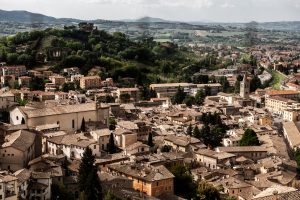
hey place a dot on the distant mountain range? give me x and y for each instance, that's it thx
(30, 18)
(25, 17)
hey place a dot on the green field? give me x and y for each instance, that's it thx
(223, 33)
(277, 79)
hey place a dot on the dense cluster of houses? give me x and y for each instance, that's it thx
(42, 140)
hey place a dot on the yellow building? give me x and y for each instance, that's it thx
(57, 80)
(90, 82)
(265, 120)
(151, 180)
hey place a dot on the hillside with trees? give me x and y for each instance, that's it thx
(117, 56)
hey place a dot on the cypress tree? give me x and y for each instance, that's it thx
(82, 128)
(189, 130)
(111, 145)
(150, 140)
(88, 180)
(196, 132)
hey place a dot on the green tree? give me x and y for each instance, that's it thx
(22, 102)
(225, 84)
(88, 180)
(237, 87)
(83, 128)
(207, 191)
(112, 124)
(200, 97)
(125, 98)
(184, 178)
(196, 132)
(166, 148)
(111, 145)
(179, 96)
(255, 83)
(110, 196)
(59, 191)
(12, 58)
(189, 100)
(297, 158)
(66, 87)
(150, 140)
(189, 130)
(93, 187)
(249, 138)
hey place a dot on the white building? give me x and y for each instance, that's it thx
(72, 145)
(69, 117)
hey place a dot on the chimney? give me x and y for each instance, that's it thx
(275, 195)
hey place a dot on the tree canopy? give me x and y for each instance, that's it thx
(88, 180)
(249, 138)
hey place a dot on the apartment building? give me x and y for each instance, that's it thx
(277, 104)
(16, 71)
(90, 82)
(57, 80)
(169, 89)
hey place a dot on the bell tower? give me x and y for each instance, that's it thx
(245, 87)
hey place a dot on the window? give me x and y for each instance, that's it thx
(57, 122)
(156, 183)
(94, 146)
(73, 123)
(17, 117)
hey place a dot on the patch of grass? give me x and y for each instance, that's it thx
(277, 79)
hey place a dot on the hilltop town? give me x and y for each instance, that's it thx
(86, 112)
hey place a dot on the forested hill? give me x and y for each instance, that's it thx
(144, 60)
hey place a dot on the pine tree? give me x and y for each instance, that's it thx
(82, 128)
(189, 130)
(150, 140)
(111, 145)
(88, 180)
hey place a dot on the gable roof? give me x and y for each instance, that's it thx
(20, 140)
(58, 110)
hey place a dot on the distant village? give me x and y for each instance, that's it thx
(136, 142)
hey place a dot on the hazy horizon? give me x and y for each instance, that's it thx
(225, 11)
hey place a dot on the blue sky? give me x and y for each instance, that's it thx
(183, 10)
